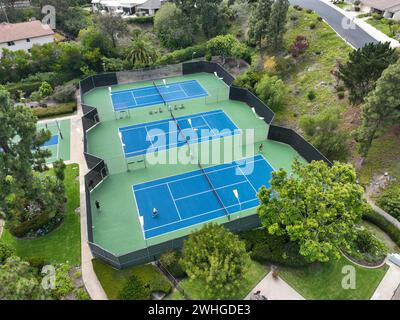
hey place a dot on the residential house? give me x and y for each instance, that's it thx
(128, 8)
(22, 36)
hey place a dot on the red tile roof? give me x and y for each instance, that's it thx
(23, 30)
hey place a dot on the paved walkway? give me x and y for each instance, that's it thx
(275, 289)
(389, 284)
(89, 277)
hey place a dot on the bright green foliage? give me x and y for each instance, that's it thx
(316, 206)
(271, 90)
(238, 51)
(92, 38)
(364, 68)
(141, 52)
(170, 260)
(276, 25)
(135, 289)
(322, 130)
(390, 201)
(172, 28)
(217, 257)
(259, 22)
(382, 107)
(45, 89)
(19, 281)
(63, 282)
(222, 46)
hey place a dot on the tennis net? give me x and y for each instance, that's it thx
(159, 92)
(213, 188)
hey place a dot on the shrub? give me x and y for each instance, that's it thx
(311, 95)
(267, 248)
(65, 93)
(36, 262)
(208, 56)
(313, 25)
(56, 110)
(389, 201)
(63, 283)
(170, 260)
(366, 248)
(140, 20)
(377, 16)
(341, 95)
(272, 91)
(6, 251)
(293, 17)
(299, 46)
(26, 87)
(81, 294)
(309, 11)
(134, 289)
(182, 55)
(390, 229)
(319, 19)
(248, 80)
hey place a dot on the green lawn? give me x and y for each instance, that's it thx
(323, 281)
(195, 289)
(113, 280)
(63, 244)
(383, 26)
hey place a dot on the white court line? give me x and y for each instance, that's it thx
(192, 116)
(233, 165)
(247, 179)
(183, 90)
(173, 200)
(133, 96)
(210, 190)
(198, 215)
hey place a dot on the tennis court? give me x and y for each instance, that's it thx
(152, 95)
(59, 142)
(165, 134)
(200, 196)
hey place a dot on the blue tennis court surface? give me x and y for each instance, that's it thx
(164, 134)
(51, 142)
(140, 97)
(188, 199)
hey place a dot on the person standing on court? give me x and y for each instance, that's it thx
(155, 212)
(97, 204)
(260, 148)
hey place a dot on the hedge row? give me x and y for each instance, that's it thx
(182, 55)
(391, 230)
(141, 20)
(51, 111)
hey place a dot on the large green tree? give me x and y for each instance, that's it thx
(112, 25)
(209, 14)
(272, 90)
(28, 196)
(222, 46)
(141, 53)
(276, 25)
(382, 107)
(259, 22)
(174, 30)
(322, 130)
(217, 257)
(364, 68)
(315, 205)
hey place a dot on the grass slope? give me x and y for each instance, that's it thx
(63, 244)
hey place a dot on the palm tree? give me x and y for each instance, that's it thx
(141, 52)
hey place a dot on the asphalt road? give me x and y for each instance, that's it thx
(356, 36)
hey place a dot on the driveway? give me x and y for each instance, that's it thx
(349, 31)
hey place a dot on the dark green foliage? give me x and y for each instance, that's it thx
(259, 22)
(248, 80)
(322, 130)
(365, 247)
(135, 289)
(141, 20)
(6, 251)
(311, 95)
(267, 248)
(389, 201)
(364, 68)
(182, 55)
(170, 260)
(390, 229)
